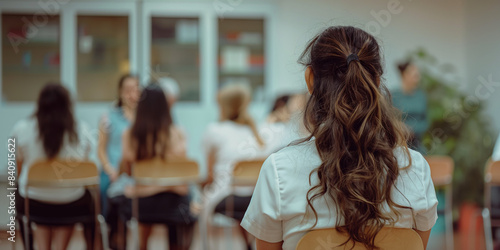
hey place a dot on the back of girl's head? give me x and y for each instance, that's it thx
(280, 102)
(152, 123)
(233, 101)
(356, 130)
(55, 118)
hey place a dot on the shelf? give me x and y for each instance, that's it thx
(34, 69)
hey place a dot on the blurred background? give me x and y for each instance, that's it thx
(204, 44)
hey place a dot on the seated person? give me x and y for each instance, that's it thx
(152, 135)
(234, 138)
(51, 133)
(355, 171)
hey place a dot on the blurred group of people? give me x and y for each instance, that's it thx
(139, 127)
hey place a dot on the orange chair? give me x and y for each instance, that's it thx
(389, 238)
(491, 179)
(60, 173)
(442, 175)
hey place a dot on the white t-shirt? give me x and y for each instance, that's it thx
(276, 212)
(232, 142)
(28, 142)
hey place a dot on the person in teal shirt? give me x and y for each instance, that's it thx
(412, 101)
(111, 128)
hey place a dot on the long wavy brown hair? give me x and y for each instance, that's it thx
(356, 130)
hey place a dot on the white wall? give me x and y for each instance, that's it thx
(483, 54)
(438, 26)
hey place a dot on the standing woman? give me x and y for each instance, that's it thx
(111, 127)
(51, 133)
(355, 171)
(152, 135)
(412, 101)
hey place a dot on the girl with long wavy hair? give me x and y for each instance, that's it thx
(355, 171)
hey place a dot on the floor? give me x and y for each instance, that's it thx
(156, 241)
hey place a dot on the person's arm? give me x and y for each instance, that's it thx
(19, 161)
(102, 152)
(425, 237)
(128, 154)
(210, 167)
(264, 245)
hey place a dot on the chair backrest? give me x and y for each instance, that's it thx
(63, 173)
(246, 173)
(441, 169)
(389, 238)
(165, 172)
(491, 178)
(492, 173)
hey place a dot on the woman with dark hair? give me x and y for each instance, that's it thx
(111, 127)
(412, 101)
(51, 133)
(354, 172)
(152, 135)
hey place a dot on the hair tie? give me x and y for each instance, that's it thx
(352, 57)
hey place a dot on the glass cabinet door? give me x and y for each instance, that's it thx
(175, 54)
(30, 54)
(102, 56)
(241, 53)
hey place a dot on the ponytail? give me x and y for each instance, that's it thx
(356, 131)
(245, 119)
(233, 100)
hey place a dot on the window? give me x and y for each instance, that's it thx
(102, 56)
(241, 53)
(30, 54)
(175, 53)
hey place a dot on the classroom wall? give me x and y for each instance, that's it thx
(438, 26)
(483, 55)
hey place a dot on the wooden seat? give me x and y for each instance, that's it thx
(165, 173)
(160, 172)
(59, 173)
(442, 168)
(389, 238)
(246, 173)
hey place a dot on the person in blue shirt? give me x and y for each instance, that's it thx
(412, 101)
(111, 127)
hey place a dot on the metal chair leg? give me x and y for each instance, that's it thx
(488, 235)
(449, 218)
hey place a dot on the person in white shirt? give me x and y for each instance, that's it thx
(355, 170)
(234, 138)
(51, 132)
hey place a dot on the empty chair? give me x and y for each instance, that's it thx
(442, 176)
(491, 218)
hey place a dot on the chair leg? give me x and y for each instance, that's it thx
(449, 219)
(104, 231)
(488, 235)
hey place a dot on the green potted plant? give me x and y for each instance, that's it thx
(458, 128)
